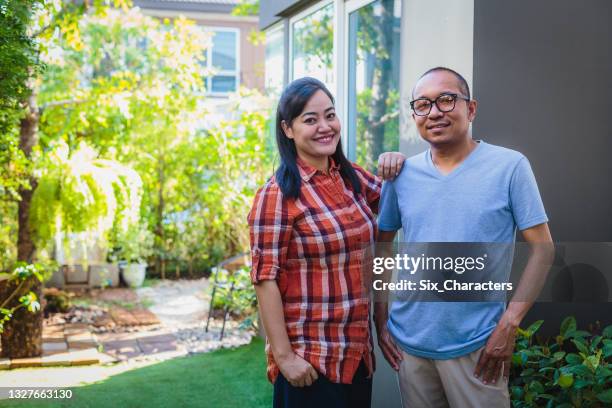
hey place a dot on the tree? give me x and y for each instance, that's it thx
(28, 24)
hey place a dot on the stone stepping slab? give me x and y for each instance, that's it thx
(133, 317)
(71, 344)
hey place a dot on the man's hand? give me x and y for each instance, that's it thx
(388, 347)
(297, 371)
(497, 354)
(390, 164)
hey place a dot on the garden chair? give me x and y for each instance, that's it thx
(231, 265)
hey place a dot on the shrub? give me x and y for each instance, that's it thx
(571, 370)
(241, 300)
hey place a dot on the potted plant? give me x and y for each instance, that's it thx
(132, 248)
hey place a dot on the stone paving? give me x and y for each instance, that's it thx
(63, 345)
(172, 326)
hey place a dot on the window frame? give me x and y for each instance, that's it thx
(275, 28)
(222, 72)
(301, 15)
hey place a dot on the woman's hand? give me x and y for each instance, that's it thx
(297, 371)
(390, 164)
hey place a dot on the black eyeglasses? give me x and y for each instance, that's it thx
(444, 103)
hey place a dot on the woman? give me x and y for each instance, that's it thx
(309, 225)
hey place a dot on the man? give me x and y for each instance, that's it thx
(459, 190)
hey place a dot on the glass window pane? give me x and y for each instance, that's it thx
(373, 99)
(223, 83)
(313, 44)
(275, 71)
(224, 50)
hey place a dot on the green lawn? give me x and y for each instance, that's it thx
(224, 378)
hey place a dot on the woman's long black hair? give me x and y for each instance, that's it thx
(291, 105)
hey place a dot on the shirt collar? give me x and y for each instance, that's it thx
(307, 171)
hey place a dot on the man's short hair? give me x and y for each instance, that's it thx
(463, 85)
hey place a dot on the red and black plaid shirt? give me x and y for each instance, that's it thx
(313, 247)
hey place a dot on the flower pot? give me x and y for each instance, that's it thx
(134, 274)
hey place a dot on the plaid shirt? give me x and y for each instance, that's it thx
(313, 247)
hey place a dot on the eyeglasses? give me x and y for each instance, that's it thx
(444, 103)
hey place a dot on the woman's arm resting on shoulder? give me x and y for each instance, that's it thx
(294, 368)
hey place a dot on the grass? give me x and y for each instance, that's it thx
(224, 378)
(87, 302)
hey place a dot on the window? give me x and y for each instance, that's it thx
(373, 81)
(223, 58)
(275, 66)
(312, 46)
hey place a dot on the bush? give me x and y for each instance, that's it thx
(241, 302)
(57, 301)
(571, 371)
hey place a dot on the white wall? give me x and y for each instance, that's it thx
(434, 33)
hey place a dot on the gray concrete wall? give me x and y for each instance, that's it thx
(542, 79)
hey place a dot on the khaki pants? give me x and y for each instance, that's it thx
(448, 383)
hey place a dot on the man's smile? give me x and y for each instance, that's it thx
(440, 125)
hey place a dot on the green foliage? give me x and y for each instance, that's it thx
(18, 63)
(314, 38)
(134, 245)
(246, 8)
(79, 192)
(221, 170)
(21, 276)
(574, 370)
(235, 292)
(131, 87)
(365, 155)
(57, 301)
(18, 54)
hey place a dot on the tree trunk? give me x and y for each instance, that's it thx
(159, 227)
(190, 268)
(22, 335)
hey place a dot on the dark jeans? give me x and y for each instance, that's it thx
(324, 393)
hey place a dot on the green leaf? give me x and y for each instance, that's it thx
(579, 370)
(595, 342)
(582, 383)
(593, 361)
(517, 392)
(607, 350)
(607, 332)
(566, 380)
(573, 358)
(606, 396)
(34, 306)
(604, 372)
(578, 334)
(536, 387)
(568, 324)
(534, 327)
(581, 346)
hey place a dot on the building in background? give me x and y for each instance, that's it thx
(540, 72)
(238, 62)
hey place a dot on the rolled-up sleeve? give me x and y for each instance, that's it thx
(371, 185)
(270, 231)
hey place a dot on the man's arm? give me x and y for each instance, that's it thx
(500, 346)
(381, 308)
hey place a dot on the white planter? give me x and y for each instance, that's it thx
(134, 274)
